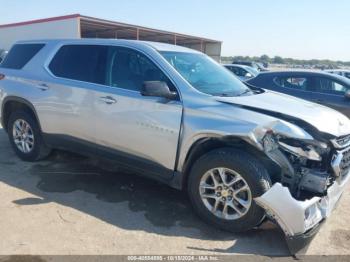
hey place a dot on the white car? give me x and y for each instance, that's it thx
(242, 72)
(2, 55)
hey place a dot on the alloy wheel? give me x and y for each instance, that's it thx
(23, 136)
(225, 193)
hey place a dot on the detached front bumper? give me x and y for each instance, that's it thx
(300, 220)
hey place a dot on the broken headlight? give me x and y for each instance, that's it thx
(311, 150)
(307, 152)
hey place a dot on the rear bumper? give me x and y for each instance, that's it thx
(300, 220)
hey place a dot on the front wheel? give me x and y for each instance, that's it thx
(222, 186)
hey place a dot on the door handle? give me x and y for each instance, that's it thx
(108, 100)
(43, 86)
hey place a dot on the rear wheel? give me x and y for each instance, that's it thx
(222, 187)
(25, 137)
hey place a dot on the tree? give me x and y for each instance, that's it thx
(265, 58)
(326, 63)
(278, 60)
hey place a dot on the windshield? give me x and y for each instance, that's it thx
(204, 74)
(252, 70)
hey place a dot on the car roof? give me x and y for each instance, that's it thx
(156, 45)
(297, 72)
(236, 65)
(338, 70)
(243, 62)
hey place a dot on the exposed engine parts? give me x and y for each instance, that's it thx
(306, 167)
(314, 181)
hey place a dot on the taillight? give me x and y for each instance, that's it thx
(2, 76)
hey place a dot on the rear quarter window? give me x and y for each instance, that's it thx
(20, 55)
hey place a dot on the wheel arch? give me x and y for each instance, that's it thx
(205, 145)
(13, 103)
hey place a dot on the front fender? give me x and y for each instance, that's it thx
(198, 128)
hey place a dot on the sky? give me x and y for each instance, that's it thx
(303, 29)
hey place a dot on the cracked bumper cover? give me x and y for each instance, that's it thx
(300, 220)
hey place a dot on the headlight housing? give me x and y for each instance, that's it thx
(307, 149)
(308, 152)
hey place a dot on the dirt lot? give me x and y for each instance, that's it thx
(69, 205)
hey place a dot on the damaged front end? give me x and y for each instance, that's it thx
(313, 175)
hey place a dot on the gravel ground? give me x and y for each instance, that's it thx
(70, 204)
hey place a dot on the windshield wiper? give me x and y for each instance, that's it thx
(222, 94)
(244, 92)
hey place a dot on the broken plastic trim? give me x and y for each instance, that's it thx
(288, 212)
(298, 218)
(299, 244)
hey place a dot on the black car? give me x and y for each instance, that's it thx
(323, 88)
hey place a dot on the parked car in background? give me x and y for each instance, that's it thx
(258, 66)
(2, 55)
(242, 72)
(341, 72)
(175, 115)
(320, 87)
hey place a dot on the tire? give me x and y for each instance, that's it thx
(247, 167)
(38, 150)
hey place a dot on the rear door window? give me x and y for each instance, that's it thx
(20, 55)
(81, 62)
(329, 86)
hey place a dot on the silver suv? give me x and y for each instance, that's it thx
(173, 114)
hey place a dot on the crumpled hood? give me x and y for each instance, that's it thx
(322, 118)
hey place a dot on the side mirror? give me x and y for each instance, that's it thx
(157, 89)
(248, 75)
(347, 94)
